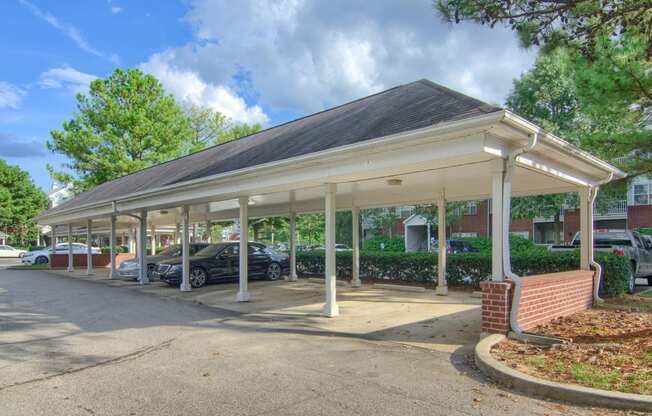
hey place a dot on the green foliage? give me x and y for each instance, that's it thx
(118, 249)
(125, 123)
(518, 245)
(310, 228)
(213, 127)
(395, 244)
(382, 219)
(20, 201)
(645, 230)
(466, 268)
(554, 23)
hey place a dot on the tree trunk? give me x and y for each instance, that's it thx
(557, 228)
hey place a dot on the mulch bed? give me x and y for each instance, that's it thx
(608, 348)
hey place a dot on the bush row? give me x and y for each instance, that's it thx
(466, 268)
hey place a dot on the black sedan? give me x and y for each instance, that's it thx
(220, 262)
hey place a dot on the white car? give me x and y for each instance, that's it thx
(9, 251)
(43, 256)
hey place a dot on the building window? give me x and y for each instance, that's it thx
(642, 194)
(471, 208)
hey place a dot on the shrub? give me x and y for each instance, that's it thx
(466, 268)
(394, 244)
(118, 249)
(518, 245)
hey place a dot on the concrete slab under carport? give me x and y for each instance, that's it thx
(441, 323)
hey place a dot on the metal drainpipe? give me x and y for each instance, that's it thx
(507, 260)
(593, 193)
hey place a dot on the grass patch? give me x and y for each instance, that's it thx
(29, 267)
(646, 293)
(593, 377)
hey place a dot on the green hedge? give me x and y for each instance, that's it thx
(466, 268)
(394, 244)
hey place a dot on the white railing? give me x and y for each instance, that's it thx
(613, 209)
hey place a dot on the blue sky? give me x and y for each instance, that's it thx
(255, 61)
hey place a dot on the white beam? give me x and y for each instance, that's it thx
(112, 244)
(293, 247)
(355, 243)
(243, 293)
(142, 251)
(185, 250)
(330, 308)
(497, 272)
(89, 248)
(442, 286)
(70, 255)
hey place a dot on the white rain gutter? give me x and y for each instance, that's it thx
(597, 279)
(507, 260)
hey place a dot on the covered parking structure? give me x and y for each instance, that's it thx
(419, 143)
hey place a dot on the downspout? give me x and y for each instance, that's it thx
(597, 279)
(507, 260)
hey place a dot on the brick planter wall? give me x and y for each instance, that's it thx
(543, 298)
(79, 260)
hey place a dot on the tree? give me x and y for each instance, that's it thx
(615, 91)
(125, 123)
(212, 127)
(382, 219)
(20, 201)
(454, 214)
(557, 22)
(310, 228)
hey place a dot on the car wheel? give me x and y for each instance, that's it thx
(198, 277)
(649, 281)
(41, 260)
(273, 271)
(631, 286)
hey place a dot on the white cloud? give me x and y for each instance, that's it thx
(188, 87)
(116, 9)
(68, 30)
(10, 95)
(66, 77)
(304, 56)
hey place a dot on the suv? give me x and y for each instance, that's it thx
(623, 243)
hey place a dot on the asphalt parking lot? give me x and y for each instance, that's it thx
(79, 347)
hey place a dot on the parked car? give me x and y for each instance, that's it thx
(9, 251)
(338, 247)
(220, 262)
(455, 247)
(624, 243)
(130, 268)
(43, 256)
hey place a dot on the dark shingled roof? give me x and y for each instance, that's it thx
(407, 107)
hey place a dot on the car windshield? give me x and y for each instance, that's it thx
(211, 250)
(171, 251)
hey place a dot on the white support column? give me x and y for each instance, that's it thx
(442, 286)
(293, 248)
(194, 233)
(152, 239)
(497, 271)
(132, 241)
(177, 234)
(185, 250)
(330, 308)
(209, 234)
(142, 252)
(70, 255)
(112, 244)
(89, 248)
(586, 229)
(243, 293)
(355, 249)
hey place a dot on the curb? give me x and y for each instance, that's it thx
(403, 288)
(568, 392)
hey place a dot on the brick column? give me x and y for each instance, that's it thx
(496, 306)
